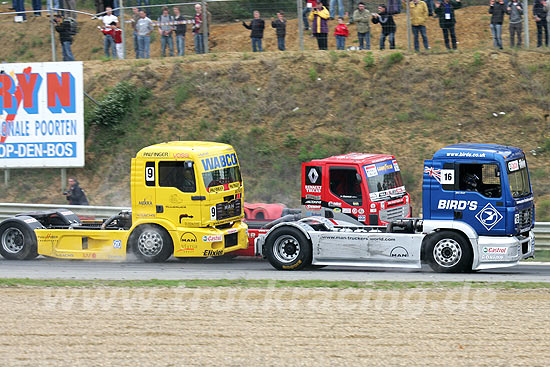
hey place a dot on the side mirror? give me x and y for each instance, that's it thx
(189, 164)
(358, 177)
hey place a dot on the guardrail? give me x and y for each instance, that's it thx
(542, 229)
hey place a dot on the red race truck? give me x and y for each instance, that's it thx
(360, 188)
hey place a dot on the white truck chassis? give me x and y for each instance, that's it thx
(447, 246)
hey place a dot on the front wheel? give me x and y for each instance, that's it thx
(449, 252)
(151, 243)
(288, 249)
(17, 242)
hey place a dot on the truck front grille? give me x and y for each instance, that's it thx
(387, 215)
(231, 240)
(228, 209)
(526, 218)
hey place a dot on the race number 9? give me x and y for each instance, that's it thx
(212, 213)
(150, 174)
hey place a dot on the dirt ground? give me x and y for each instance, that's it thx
(251, 326)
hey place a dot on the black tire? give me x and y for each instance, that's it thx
(288, 249)
(448, 252)
(17, 241)
(151, 243)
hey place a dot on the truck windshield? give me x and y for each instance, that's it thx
(518, 176)
(384, 180)
(221, 177)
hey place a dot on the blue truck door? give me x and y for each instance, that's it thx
(436, 201)
(479, 197)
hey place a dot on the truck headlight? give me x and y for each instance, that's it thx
(516, 218)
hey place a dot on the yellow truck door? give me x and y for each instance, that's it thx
(144, 178)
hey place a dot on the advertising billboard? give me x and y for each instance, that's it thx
(41, 115)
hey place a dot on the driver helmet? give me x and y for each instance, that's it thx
(471, 180)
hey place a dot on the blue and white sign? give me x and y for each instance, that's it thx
(488, 216)
(41, 115)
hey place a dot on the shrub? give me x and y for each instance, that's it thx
(313, 74)
(394, 58)
(369, 60)
(114, 107)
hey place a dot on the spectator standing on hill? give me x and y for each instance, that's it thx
(63, 27)
(497, 11)
(540, 19)
(319, 24)
(108, 40)
(166, 28)
(361, 17)
(75, 195)
(310, 4)
(546, 8)
(388, 26)
(280, 29)
(144, 27)
(446, 12)
(332, 8)
(419, 16)
(135, 18)
(117, 37)
(198, 28)
(256, 27)
(341, 32)
(515, 11)
(181, 29)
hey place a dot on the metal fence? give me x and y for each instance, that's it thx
(542, 229)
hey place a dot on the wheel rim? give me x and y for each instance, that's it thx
(150, 243)
(13, 240)
(286, 249)
(447, 252)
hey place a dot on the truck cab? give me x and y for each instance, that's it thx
(484, 185)
(356, 187)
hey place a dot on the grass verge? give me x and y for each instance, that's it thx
(264, 283)
(541, 255)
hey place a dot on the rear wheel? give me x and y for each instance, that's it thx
(151, 243)
(449, 252)
(288, 249)
(17, 242)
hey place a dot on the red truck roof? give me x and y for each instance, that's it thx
(359, 158)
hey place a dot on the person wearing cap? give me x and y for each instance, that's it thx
(319, 24)
(63, 27)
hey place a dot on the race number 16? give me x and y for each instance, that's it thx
(447, 176)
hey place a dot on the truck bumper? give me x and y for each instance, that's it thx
(205, 242)
(499, 252)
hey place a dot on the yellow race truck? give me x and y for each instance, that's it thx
(187, 201)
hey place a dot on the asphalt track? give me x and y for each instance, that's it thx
(249, 268)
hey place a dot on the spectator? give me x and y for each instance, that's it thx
(446, 12)
(341, 32)
(497, 11)
(75, 195)
(540, 19)
(144, 27)
(310, 4)
(280, 29)
(332, 8)
(63, 27)
(319, 24)
(70, 5)
(117, 37)
(547, 10)
(362, 16)
(37, 5)
(256, 27)
(181, 28)
(388, 26)
(19, 6)
(109, 40)
(419, 16)
(515, 11)
(165, 30)
(198, 33)
(135, 18)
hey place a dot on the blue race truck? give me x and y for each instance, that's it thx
(478, 213)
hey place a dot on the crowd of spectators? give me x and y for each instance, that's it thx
(317, 14)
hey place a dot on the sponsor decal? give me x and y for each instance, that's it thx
(313, 202)
(370, 170)
(354, 211)
(313, 175)
(140, 215)
(216, 188)
(492, 257)
(212, 252)
(313, 207)
(343, 237)
(381, 168)
(373, 210)
(346, 210)
(355, 203)
(361, 211)
(396, 201)
(212, 238)
(395, 165)
(488, 216)
(232, 230)
(222, 161)
(334, 204)
(457, 204)
(373, 205)
(145, 202)
(175, 199)
(156, 154)
(524, 200)
(62, 254)
(251, 235)
(188, 237)
(494, 250)
(337, 210)
(313, 197)
(90, 255)
(67, 212)
(361, 218)
(467, 154)
(30, 220)
(234, 185)
(187, 249)
(382, 239)
(399, 252)
(181, 155)
(313, 188)
(117, 244)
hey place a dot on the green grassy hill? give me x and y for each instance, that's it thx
(279, 109)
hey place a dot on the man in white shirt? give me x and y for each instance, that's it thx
(108, 41)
